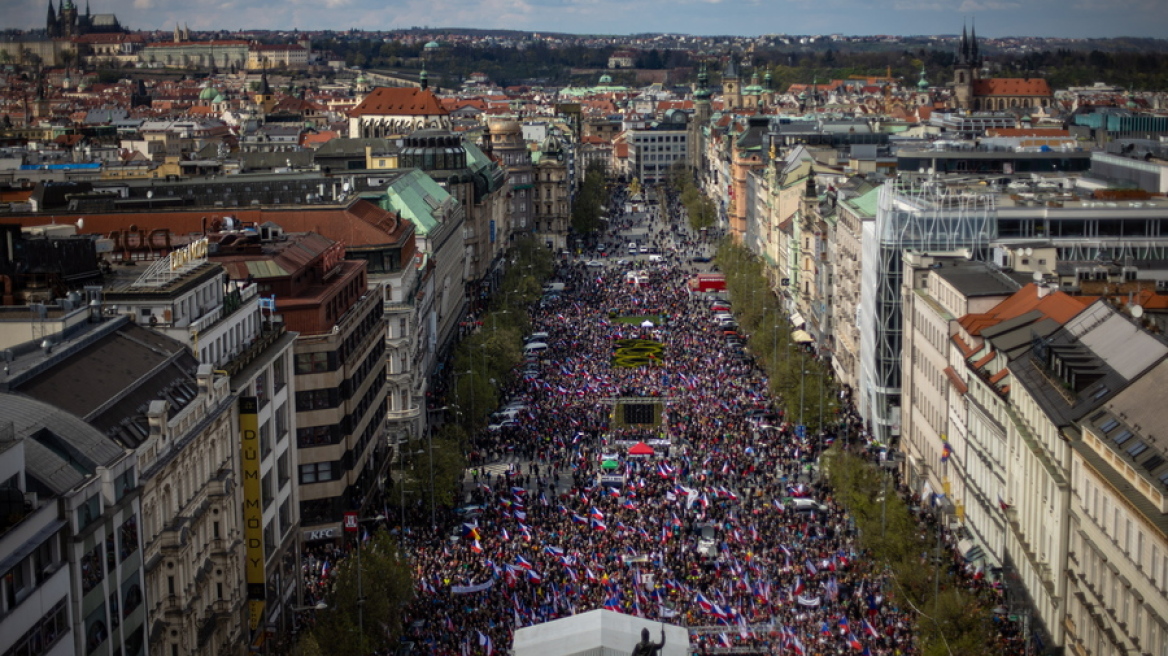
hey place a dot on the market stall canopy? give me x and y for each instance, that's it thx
(802, 337)
(640, 449)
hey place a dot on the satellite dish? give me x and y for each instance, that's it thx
(1137, 311)
(81, 223)
(1029, 251)
(1037, 276)
(345, 187)
(150, 194)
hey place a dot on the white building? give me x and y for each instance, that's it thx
(1118, 547)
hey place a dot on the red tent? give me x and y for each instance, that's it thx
(640, 449)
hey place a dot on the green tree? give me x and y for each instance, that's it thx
(374, 603)
(591, 200)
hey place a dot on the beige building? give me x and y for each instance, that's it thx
(1117, 576)
(551, 204)
(1068, 378)
(852, 213)
(279, 55)
(979, 395)
(938, 289)
(197, 54)
(396, 112)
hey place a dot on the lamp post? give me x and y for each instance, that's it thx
(360, 587)
(430, 448)
(802, 379)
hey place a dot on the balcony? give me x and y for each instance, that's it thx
(266, 338)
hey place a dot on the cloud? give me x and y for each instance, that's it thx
(972, 6)
(143, 4)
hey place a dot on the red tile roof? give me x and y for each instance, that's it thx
(985, 360)
(1057, 305)
(399, 101)
(1011, 86)
(956, 381)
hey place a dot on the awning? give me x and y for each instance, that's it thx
(797, 319)
(970, 551)
(802, 337)
(641, 449)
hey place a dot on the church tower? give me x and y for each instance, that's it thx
(965, 71)
(731, 85)
(695, 148)
(68, 16)
(51, 26)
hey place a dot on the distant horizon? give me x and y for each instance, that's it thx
(1058, 19)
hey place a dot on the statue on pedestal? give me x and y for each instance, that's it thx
(646, 647)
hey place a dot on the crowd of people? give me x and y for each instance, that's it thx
(723, 527)
(720, 527)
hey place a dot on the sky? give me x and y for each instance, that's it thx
(995, 18)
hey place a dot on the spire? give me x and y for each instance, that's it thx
(87, 14)
(51, 20)
(964, 59)
(973, 57)
(809, 191)
(424, 78)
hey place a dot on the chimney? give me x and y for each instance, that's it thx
(1043, 290)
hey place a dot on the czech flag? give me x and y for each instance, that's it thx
(520, 561)
(596, 514)
(869, 629)
(598, 525)
(854, 643)
(703, 603)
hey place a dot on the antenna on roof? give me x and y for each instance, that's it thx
(1137, 311)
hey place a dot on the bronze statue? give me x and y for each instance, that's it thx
(647, 648)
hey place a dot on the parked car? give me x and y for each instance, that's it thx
(595, 264)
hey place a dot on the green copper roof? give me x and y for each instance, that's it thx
(415, 196)
(866, 203)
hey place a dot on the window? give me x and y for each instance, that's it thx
(315, 363)
(281, 421)
(261, 389)
(124, 484)
(91, 569)
(279, 375)
(310, 436)
(317, 472)
(127, 538)
(283, 473)
(88, 512)
(265, 439)
(317, 399)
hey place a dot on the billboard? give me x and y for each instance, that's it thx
(253, 509)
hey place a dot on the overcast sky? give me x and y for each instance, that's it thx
(1065, 18)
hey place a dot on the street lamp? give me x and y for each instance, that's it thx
(430, 447)
(360, 587)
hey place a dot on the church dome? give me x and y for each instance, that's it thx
(433, 45)
(606, 79)
(208, 93)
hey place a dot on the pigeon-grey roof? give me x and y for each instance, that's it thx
(61, 451)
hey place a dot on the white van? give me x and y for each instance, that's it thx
(537, 337)
(535, 347)
(553, 287)
(633, 250)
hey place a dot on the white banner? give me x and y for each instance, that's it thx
(471, 589)
(804, 600)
